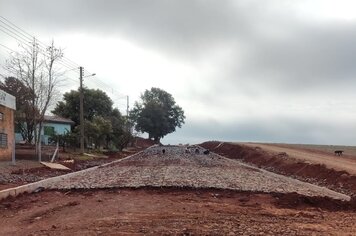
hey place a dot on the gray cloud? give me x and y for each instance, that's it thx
(174, 25)
(267, 45)
(254, 51)
(283, 130)
(311, 57)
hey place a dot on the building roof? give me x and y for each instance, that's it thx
(58, 119)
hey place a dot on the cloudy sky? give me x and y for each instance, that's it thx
(268, 71)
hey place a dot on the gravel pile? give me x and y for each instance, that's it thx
(180, 166)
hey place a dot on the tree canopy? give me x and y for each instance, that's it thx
(104, 125)
(157, 114)
(96, 103)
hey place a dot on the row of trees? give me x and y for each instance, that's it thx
(104, 125)
(156, 114)
(35, 85)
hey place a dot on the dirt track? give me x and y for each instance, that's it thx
(182, 210)
(343, 163)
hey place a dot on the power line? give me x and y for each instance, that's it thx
(28, 44)
(7, 48)
(22, 36)
(30, 37)
(41, 46)
(14, 28)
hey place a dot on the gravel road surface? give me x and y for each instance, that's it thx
(177, 166)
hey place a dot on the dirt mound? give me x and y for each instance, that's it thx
(143, 143)
(280, 163)
(297, 201)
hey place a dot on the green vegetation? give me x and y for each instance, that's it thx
(104, 125)
(157, 114)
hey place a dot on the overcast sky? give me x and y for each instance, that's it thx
(269, 71)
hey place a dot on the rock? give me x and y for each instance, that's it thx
(39, 189)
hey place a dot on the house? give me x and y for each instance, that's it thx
(55, 125)
(51, 125)
(7, 108)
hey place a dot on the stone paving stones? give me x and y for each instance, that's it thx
(181, 168)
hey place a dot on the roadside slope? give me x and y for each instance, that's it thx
(290, 162)
(331, 161)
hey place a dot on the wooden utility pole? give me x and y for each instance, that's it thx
(81, 76)
(81, 110)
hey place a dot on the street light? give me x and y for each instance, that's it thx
(82, 109)
(89, 75)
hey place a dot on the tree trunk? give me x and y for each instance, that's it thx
(39, 144)
(157, 139)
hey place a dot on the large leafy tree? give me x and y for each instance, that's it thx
(157, 114)
(96, 103)
(104, 126)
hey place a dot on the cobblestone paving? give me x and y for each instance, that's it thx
(176, 167)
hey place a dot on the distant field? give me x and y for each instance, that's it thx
(348, 150)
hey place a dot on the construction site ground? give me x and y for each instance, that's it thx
(28, 169)
(143, 201)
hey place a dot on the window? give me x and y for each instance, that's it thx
(1, 116)
(49, 130)
(3, 140)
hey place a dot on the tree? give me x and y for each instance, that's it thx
(157, 114)
(24, 111)
(35, 68)
(64, 140)
(98, 131)
(103, 124)
(96, 103)
(121, 135)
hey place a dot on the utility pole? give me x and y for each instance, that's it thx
(81, 97)
(81, 110)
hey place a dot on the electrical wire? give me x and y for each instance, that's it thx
(30, 37)
(24, 37)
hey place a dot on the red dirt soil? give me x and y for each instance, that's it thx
(319, 174)
(173, 211)
(186, 211)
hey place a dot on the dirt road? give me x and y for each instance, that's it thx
(170, 212)
(175, 168)
(346, 163)
(190, 198)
